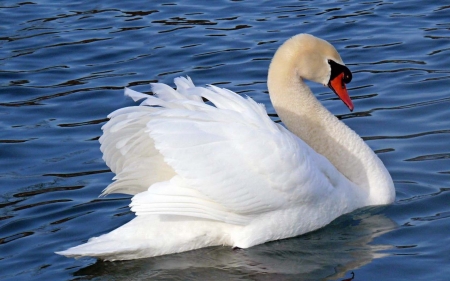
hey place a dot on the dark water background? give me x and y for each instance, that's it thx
(63, 66)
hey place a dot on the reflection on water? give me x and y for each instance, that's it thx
(327, 254)
(63, 66)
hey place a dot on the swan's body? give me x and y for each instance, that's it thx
(227, 175)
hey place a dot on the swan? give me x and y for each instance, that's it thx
(204, 175)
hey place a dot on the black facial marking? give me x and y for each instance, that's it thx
(337, 69)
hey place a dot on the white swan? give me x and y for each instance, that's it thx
(227, 175)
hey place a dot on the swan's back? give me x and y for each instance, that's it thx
(221, 174)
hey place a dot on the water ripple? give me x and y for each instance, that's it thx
(63, 66)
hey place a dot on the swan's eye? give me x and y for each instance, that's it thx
(337, 69)
(347, 76)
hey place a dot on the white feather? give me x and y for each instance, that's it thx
(227, 163)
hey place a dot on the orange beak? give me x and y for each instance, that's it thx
(338, 87)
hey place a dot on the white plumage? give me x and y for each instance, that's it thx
(222, 174)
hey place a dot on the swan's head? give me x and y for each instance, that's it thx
(316, 60)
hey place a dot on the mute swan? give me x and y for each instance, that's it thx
(227, 175)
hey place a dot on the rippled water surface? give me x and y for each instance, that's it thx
(63, 66)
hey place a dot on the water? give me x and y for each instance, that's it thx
(63, 67)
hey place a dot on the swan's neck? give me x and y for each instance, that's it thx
(305, 116)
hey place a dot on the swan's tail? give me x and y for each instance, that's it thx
(103, 248)
(122, 243)
(149, 236)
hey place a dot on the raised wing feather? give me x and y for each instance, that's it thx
(128, 150)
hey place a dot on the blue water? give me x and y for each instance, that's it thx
(63, 67)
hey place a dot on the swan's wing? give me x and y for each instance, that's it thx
(129, 151)
(232, 162)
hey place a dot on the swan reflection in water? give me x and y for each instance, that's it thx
(330, 253)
